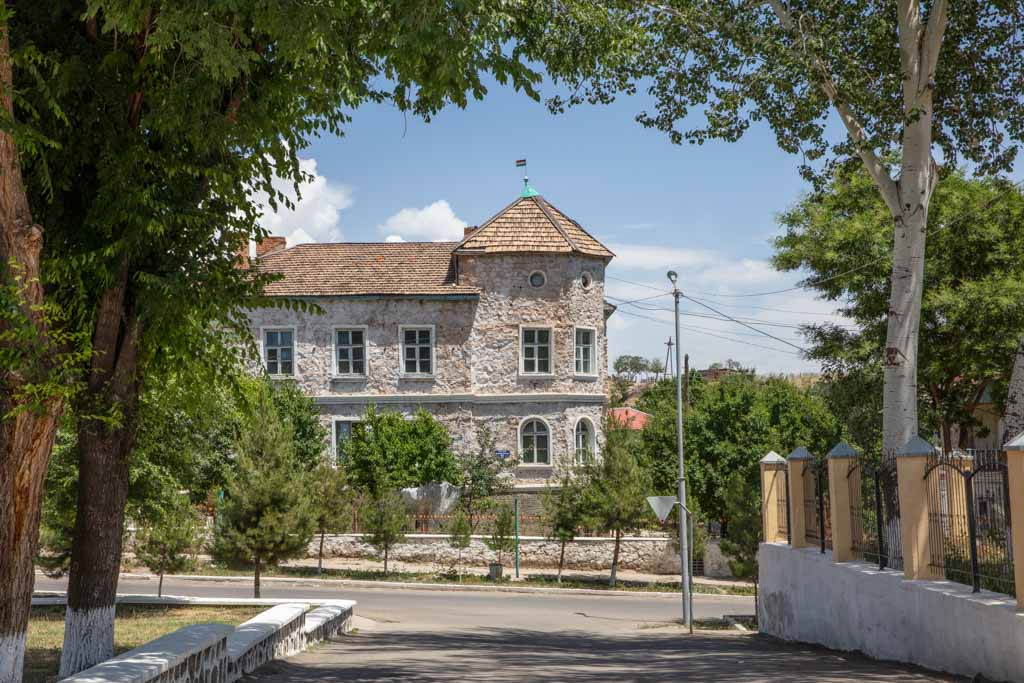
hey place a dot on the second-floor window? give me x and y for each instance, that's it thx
(279, 351)
(536, 351)
(584, 351)
(417, 350)
(350, 349)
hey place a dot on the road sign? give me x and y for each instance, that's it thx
(662, 505)
(504, 455)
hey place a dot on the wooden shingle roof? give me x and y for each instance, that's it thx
(531, 224)
(377, 268)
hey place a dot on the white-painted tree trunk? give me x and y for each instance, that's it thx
(12, 658)
(92, 632)
(1013, 415)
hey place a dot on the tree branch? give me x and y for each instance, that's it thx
(938, 19)
(886, 185)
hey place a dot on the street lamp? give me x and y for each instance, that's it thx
(684, 554)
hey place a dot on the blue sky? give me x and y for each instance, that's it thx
(705, 211)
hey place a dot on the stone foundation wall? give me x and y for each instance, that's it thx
(651, 555)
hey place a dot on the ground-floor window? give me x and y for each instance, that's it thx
(342, 433)
(584, 441)
(534, 443)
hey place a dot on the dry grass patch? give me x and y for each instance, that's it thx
(135, 626)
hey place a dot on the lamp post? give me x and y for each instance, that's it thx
(684, 554)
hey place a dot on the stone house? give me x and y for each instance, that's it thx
(505, 328)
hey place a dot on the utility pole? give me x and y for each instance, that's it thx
(684, 554)
(668, 358)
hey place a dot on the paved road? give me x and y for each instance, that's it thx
(420, 635)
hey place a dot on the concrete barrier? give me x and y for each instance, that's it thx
(276, 633)
(327, 621)
(804, 596)
(192, 653)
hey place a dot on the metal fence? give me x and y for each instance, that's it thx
(969, 518)
(817, 511)
(782, 507)
(875, 509)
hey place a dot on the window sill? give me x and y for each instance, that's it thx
(586, 377)
(280, 378)
(407, 376)
(533, 466)
(349, 378)
(537, 375)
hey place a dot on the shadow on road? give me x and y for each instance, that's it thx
(496, 654)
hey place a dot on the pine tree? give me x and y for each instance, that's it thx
(385, 521)
(616, 492)
(163, 542)
(459, 536)
(267, 517)
(330, 498)
(502, 539)
(563, 512)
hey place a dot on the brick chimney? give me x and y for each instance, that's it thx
(269, 245)
(468, 230)
(242, 256)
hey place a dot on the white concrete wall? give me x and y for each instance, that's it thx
(805, 596)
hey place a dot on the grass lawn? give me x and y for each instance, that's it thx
(539, 581)
(135, 625)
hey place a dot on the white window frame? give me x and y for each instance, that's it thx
(334, 436)
(521, 451)
(433, 351)
(295, 347)
(551, 350)
(593, 351)
(366, 351)
(593, 441)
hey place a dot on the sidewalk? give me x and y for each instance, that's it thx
(626, 575)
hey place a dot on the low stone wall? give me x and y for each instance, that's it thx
(190, 654)
(656, 555)
(276, 633)
(804, 596)
(327, 621)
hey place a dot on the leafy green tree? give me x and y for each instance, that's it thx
(266, 518)
(385, 521)
(899, 79)
(387, 452)
(301, 412)
(484, 475)
(331, 501)
(502, 539)
(164, 541)
(971, 320)
(616, 492)
(729, 426)
(563, 514)
(459, 536)
(740, 543)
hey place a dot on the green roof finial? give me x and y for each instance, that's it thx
(527, 190)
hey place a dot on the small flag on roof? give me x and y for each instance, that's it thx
(520, 162)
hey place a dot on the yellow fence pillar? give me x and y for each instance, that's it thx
(840, 458)
(911, 465)
(1015, 484)
(774, 497)
(796, 462)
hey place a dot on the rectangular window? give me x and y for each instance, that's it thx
(536, 351)
(584, 351)
(279, 351)
(417, 350)
(342, 433)
(350, 351)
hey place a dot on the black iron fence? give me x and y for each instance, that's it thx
(969, 518)
(817, 511)
(875, 509)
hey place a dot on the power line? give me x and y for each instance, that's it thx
(705, 331)
(754, 321)
(739, 322)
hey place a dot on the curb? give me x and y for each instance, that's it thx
(385, 585)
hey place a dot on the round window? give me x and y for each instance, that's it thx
(537, 279)
(586, 279)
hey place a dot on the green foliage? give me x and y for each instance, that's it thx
(266, 517)
(564, 509)
(60, 495)
(743, 535)
(635, 367)
(729, 427)
(971, 318)
(502, 539)
(165, 540)
(484, 475)
(459, 535)
(384, 522)
(301, 412)
(616, 488)
(388, 452)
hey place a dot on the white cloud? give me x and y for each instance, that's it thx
(650, 257)
(316, 217)
(433, 223)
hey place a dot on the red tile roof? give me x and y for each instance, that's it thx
(629, 418)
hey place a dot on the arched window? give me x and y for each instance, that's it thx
(534, 443)
(584, 441)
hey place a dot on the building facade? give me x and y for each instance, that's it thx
(505, 328)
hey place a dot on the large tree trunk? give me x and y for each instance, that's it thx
(104, 447)
(1013, 415)
(26, 431)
